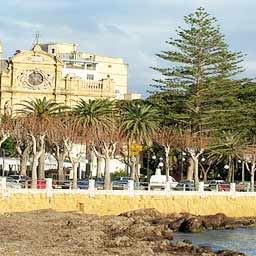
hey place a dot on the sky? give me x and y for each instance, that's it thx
(132, 29)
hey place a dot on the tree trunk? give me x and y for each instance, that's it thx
(99, 166)
(107, 181)
(34, 170)
(133, 169)
(60, 169)
(23, 164)
(74, 169)
(137, 167)
(167, 165)
(41, 165)
(195, 159)
(191, 168)
(229, 175)
(205, 176)
(252, 180)
(24, 155)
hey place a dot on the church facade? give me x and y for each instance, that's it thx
(35, 74)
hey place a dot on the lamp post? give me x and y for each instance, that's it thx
(183, 159)
(241, 162)
(226, 167)
(160, 165)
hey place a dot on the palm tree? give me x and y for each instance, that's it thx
(94, 114)
(96, 119)
(138, 122)
(40, 108)
(39, 115)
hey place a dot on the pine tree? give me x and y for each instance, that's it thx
(198, 86)
(198, 90)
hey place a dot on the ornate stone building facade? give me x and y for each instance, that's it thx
(36, 73)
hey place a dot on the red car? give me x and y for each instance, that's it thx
(41, 184)
(223, 187)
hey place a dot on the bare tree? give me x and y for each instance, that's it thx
(105, 146)
(76, 152)
(195, 145)
(249, 155)
(37, 130)
(208, 164)
(75, 140)
(169, 138)
(59, 149)
(37, 150)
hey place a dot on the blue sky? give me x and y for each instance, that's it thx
(132, 29)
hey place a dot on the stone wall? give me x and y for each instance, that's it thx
(115, 202)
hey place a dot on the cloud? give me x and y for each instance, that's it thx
(132, 29)
(27, 25)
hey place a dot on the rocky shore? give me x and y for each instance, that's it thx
(142, 232)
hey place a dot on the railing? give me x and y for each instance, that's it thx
(91, 85)
(130, 185)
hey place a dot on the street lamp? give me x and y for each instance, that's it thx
(241, 162)
(226, 166)
(183, 159)
(160, 164)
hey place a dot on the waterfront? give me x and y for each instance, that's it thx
(242, 240)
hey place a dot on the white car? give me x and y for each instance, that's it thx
(11, 183)
(159, 182)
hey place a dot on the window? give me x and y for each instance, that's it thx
(91, 66)
(53, 51)
(90, 77)
(109, 66)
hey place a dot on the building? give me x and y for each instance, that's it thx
(90, 66)
(59, 72)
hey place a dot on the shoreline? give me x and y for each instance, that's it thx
(143, 232)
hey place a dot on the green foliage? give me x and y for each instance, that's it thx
(96, 114)
(118, 174)
(40, 108)
(9, 147)
(198, 91)
(139, 120)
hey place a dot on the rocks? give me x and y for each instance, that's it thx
(143, 232)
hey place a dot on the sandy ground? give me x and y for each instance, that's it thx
(54, 233)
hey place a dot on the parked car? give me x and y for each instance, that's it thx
(185, 185)
(66, 184)
(160, 182)
(12, 183)
(41, 184)
(83, 184)
(218, 185)
(99, 183)
(223, 187)
(121, 183)
(19, 178)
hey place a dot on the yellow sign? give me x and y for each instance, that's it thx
(135, 149)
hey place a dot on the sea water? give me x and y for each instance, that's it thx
(242, 240)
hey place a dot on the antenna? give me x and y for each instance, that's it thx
(37, 38)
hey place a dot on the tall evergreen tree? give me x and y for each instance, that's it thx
(198, 84)
(197, 90)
